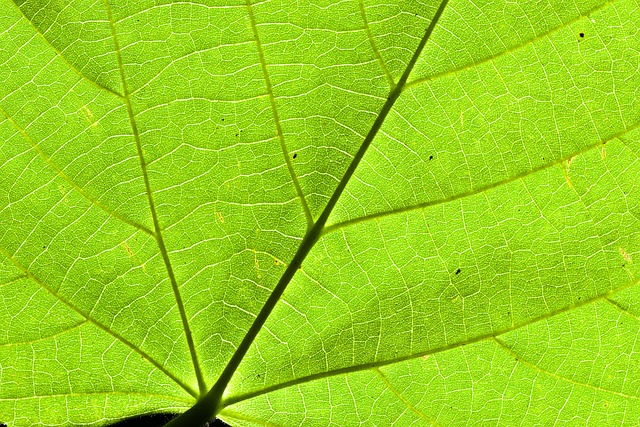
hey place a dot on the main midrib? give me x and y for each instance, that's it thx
(313, 235)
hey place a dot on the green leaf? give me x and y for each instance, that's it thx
(320, 213)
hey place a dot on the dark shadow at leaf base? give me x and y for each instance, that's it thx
(153, 420)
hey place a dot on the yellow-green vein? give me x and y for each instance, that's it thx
(95, 322)
(231, 400)
(14, 280)
(156, 224)
(376, 52)
(64, 176)
(403, 399)
(504, 347)
(478, 190)
(64, 58)
(276, 117)
(100, 393)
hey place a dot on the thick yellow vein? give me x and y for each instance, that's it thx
(95, 322)
(403, 399)
(156, 224)
(276, 117)
(241, 417)
(231, 400)
(478, 190)
(503, 346)
(510, 50)
(64, 58)
(75, 186)
(376, 52)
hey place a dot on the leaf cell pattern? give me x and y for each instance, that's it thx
(448, 219)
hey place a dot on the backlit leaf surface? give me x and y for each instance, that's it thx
(162, 162)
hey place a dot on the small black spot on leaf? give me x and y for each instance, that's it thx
(295, 155)
(430, 157)
(581, 35)
(458, 271)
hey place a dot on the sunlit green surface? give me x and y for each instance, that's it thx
(161, 163)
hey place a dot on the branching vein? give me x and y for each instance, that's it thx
(503, 346)
(489, 336)
(381, 62)
(75, 186)
(481, 189)
(95, 322)
(507, 51)
(64, 58)
(156, 224)
(403, 399)
(276, 117)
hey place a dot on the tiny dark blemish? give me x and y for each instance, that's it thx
(581, 35)
(623, 265)
(223, 119)
(258, 375)
(579, 298)
(44, 247)
(430, 157)
(458, 271)
(295, 155)
(516, 359)
(237, 134)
